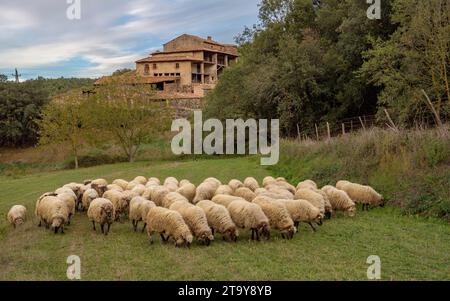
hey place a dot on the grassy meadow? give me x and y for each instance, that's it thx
(411, 248)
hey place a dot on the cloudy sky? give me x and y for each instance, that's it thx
(38, 38)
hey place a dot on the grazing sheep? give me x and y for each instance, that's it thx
(141, 180)
(170, 223)
(17, 215)
(214, 180)
(129, 195)
(119, 201)
(101, 212)
(226, 200)
(173, 197)
(274, 194)
(83, 189)
(302, 211)
(196, 220)
(122, 183)
(53, 213)
(187, 190)
(224, 189)
(278, 190)
(278, 215)
(88, 197)
(235, 184)
(281, 185)
(77, 189)
(251, 183)
(205, 191)
(70, 202)
(114, 187)
(245, 193)
(154, 180)
(313, 197)
(340, 200)
(139, 189)
(281, 179)
(250, 216)
(139, 208)
(157, 195)
(99, 182)
(100, 186)
(40, 199)
(171, 186)
(131, 185)
(360, 194)
(220, 220)
(307, 184)
(66, 190)
(171, 180)
(268, 181)
(184, 182)
(327, 203)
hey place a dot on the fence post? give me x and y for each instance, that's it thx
(317, 132)
(362, 123)
(329, 130)
(299, 137)
(343, 129)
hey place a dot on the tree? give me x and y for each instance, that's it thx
(3, 78)
(415, 59)
(64, 121)
(121, 71)
(124, 113)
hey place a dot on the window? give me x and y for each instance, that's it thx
(177, 65)
(166, 74)
(155, 75)
(178, 74)
(146, 69)
(155, 66)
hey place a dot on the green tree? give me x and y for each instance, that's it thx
(64, 121)
(124, 113)
(3, 78)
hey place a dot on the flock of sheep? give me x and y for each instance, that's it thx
(179, 211)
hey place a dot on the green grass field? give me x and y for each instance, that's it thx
(410, 248)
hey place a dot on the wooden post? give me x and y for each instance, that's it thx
(351, 125)
(299, 136)
(329, 131)
(343, 129)
(394, 127)
(317, 132)
(362, 123)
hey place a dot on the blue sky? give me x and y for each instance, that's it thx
(38, 38)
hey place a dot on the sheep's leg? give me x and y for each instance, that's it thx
(312, 226)
(134, 225)
(297, 225)
(253, 234)
(164, 239)
(150, 237)
(93, 224)
(62, 230)
(257, 235)
(109, 228)
(143, 228)
(213, 231)
(283, 236)
(40, 223)
(103, 228)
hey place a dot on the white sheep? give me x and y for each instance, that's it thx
(268, 180)
(171, 180)
(17, 215)
(226, 200)
(302, 211)
(139, 208)
(188, 190)
(196, 220)
(205, 191)
(250, 216)
(114, 187)
(101, 211)
(224, 189)
(119, 201)
(173, 197)
(70, 202)
(274, 194)
(131, 185)
(139, 189)
(278, 215)
(313, 197)
(340, 200)
(276, 189)
(360, 194)
(53, 213)
(141, 180)
(251, 183)
(156, 195)
(235, 184)
(214, 180)
(245, 193)
(122, 183)
(307, 184)
(170, 223)
(88, 196)
(220, 220)
(154, 180)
